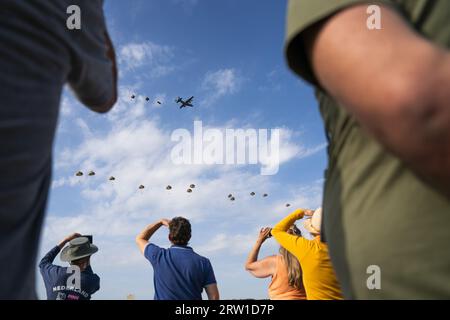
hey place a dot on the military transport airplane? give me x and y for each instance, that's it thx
(184, 104)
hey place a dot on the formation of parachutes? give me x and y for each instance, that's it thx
(191, 188)
(146, 99)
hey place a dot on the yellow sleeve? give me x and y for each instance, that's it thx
(294, 244)
(287, 222)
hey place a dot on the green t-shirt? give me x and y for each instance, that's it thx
(376, 211)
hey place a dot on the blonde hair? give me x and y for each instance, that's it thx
(293, 265)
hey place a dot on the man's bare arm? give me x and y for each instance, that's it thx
(142, 239)
(212, 291)
(395, 83)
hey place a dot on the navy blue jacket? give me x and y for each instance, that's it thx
(55, 279)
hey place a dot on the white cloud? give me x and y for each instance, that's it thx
(83, 126)
(289, 150)
(65, 181)
(272, 81)
(233, 244)
(307, 152)
(68, 110)
(156, 58)
(66, 107)
(220, 83)
(223, 81)
(236, 244)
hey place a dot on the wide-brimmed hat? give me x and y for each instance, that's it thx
(78, 248)
(313, 224)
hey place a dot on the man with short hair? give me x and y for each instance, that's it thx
(179, 272)
(78, 282)
(384, 96)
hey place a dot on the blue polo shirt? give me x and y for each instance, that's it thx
(179, 272)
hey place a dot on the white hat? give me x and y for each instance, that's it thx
(313, 224)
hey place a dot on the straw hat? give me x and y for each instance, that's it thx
(313, 224)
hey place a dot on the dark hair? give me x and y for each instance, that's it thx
(179, 231)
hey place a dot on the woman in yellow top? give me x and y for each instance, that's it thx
(284, 269)
(319, 278)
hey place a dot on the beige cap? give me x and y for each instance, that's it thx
(313, 224)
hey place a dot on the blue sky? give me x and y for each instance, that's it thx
(229, 55)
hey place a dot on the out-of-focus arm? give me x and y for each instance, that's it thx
(394, 81)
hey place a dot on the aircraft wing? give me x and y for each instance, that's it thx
(190, 100)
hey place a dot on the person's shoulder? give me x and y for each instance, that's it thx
(206, 263)
(318, 245)
(275, 257)
(95, 278)
(201, 258)
(55, 273)
(308, 243)
(90, 276)
(154, 247)
(89, 272)
(59, 269)
(152, 251)
(274, 260)
(90, 282)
